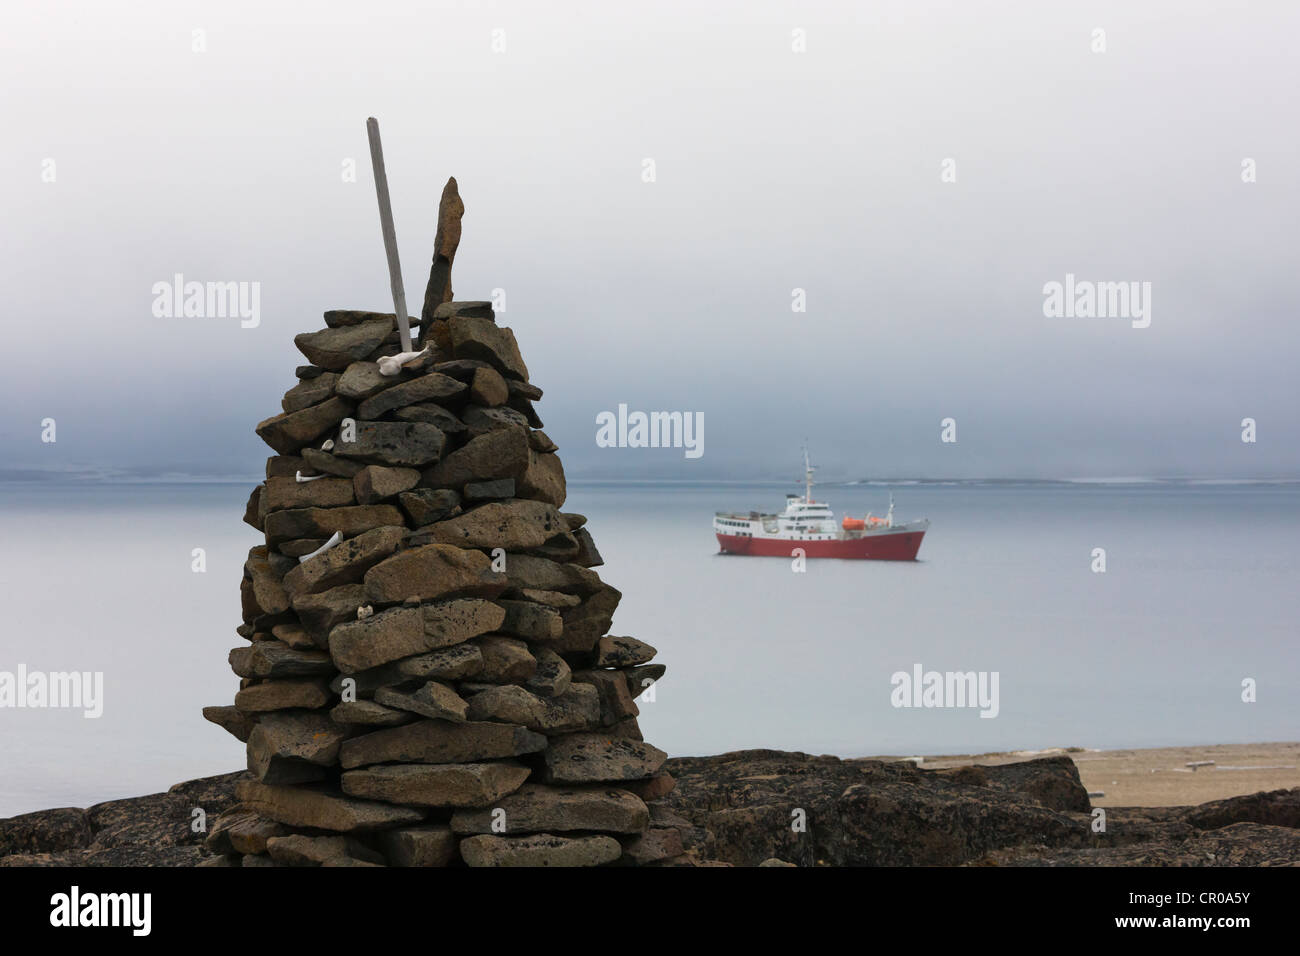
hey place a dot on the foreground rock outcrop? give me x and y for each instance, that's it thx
(157, 830)
(742, 807)
(751, 808)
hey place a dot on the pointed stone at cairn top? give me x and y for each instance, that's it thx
(450, 211)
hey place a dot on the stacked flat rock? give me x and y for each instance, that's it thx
(429, 677)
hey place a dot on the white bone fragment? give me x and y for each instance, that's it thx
(392, 364)
(300, 478)
(364, 612)
(335, 538)
(328, 446)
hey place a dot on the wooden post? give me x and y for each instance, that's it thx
(390, 235)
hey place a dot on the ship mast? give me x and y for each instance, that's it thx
(807, 477)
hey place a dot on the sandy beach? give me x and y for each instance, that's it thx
(1161, 776)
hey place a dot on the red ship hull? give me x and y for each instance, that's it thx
(902, 546)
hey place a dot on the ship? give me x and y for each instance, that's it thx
(808, 525)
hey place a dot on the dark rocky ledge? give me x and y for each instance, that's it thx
(740, 809)
(139, 831)
(1034, 813)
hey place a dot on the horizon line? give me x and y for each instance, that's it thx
(111, 475)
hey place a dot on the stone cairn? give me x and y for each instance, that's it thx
(429, 679)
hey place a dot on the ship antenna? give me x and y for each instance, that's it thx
(807, 477)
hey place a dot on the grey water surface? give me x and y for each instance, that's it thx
(1199, 594)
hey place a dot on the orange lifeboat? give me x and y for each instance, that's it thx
(852, 524)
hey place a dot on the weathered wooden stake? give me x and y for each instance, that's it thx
(390, 235)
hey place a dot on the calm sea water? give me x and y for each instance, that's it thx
(1199, 594)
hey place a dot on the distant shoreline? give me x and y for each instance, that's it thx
(1159, 776)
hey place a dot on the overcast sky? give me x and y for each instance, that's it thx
(775, 170)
